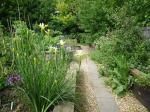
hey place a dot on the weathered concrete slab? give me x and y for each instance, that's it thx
(66, 107)
(105, 100)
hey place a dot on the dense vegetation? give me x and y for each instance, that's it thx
(122, 45)
(113, 26)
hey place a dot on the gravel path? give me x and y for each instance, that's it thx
(87, 99)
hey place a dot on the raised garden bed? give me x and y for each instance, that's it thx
(142, 93)
(11, 101)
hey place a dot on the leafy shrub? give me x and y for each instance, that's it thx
(45, 81)
(141, 58)
(118, 52)
(120, 79)
(64, 18)
(105, 50)
(143, 80)
(122, 49)
(94, 16)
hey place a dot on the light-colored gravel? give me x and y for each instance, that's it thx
(129, 103)
(87, 102)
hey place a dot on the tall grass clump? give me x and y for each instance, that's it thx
(45, 82)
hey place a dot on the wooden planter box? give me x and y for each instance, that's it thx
(143, 95)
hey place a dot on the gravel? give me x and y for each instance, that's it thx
(129, 103)
(87, 101)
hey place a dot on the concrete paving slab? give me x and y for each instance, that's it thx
(105, 100)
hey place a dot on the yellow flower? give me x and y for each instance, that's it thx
(42, 26)
(62, 42)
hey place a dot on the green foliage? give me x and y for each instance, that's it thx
(141, 57)
(2, 83)
(114, 26)
(121, 49)
(140, 9)
(5, 59)
(143, 80)
(120, 78)
(64, 17)
(110, 49)
(114, 65)
(11, 10)
(104, 16)
(93, 16)
(45, 80)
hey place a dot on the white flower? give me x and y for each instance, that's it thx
(62, 42)
(53, 49)
(42, 26)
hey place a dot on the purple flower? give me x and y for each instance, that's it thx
(13, 79)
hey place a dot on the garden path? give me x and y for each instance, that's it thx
(104, 99)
